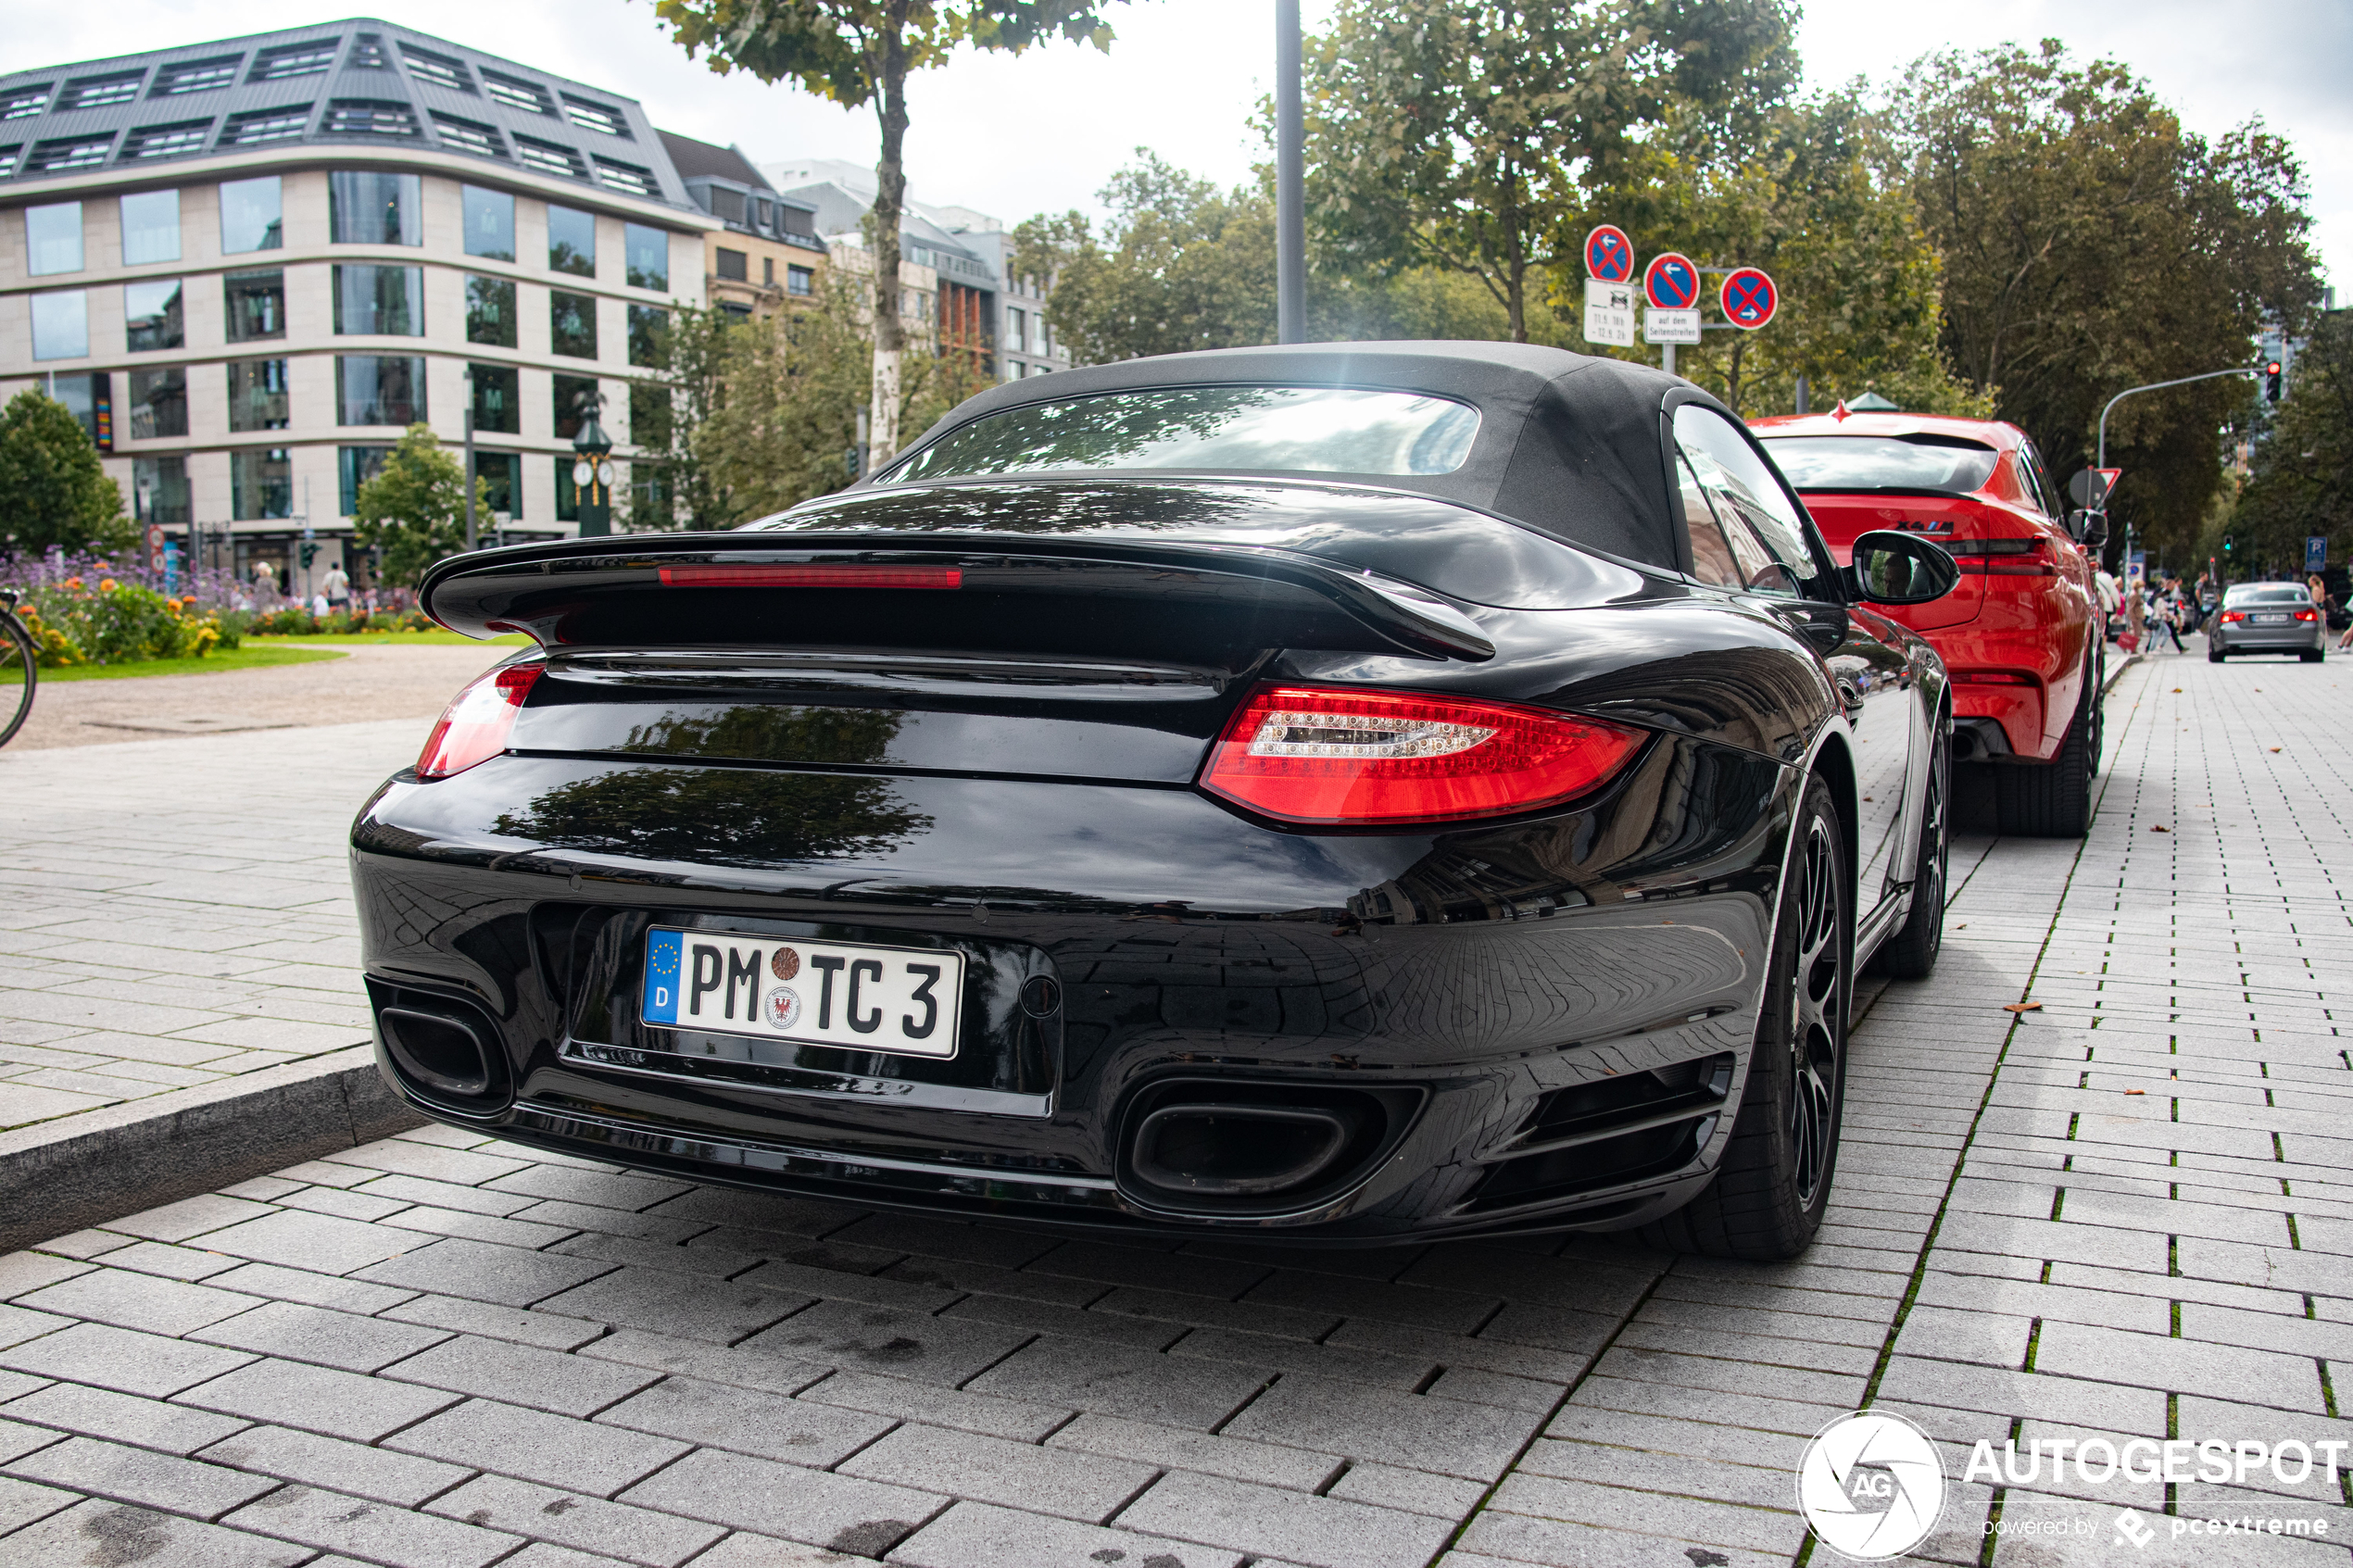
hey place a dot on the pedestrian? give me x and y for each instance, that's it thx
(337, 585)
(2111, 597)
(265, 580)
(2163, 618)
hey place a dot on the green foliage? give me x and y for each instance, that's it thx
(670, 486)
(2090, 245)
(2302, 478)
(414, 509)
(54, 493)
(78, 622)
(1460, 134)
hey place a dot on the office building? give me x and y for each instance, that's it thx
(251, 263)
(768, 254)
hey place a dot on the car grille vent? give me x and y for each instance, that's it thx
(1590, 1137)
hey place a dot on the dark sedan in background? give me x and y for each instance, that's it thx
(1355, 792)
(2274, 617)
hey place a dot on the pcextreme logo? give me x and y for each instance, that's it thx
(1871, 1485)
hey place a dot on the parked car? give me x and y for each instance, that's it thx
(2266, 618)
(1360, 792)
(2023, 636)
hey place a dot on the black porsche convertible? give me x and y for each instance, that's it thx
(1355, 792)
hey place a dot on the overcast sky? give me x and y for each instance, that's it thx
(1040, 133)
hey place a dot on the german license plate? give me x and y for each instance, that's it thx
(2270, 620)
(902, 1001)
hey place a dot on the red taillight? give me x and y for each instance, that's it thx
(474, 728)
(2308, 615)
(813, 576)
(2232, 615)
(1991, 678)
(1333, 755)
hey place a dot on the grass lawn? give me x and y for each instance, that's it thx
(388, 639)
(246, 657)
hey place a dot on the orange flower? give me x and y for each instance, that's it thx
(73, 582)
(108, 586)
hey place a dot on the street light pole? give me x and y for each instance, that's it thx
(2154, 386)
(1290, 196)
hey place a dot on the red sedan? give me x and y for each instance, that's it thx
(2021, 633)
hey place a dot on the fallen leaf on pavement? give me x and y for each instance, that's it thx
(2275, 748)
(2022, 1006)
(2177, 688)
(2136, 1091)
(2160, 827)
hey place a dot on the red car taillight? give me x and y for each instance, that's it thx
(821, 575)
(476, 726)
(2308, 615)
(2003, 557)
(2230, 616)
(1337, 756)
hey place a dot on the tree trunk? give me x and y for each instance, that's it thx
(890, 197)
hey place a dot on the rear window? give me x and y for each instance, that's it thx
(2285, 593)
(1253, 428)
(1941, 464)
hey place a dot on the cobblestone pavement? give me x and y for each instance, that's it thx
(2124, 1215)
(176, 911)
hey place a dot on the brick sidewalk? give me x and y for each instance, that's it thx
(433, 1350)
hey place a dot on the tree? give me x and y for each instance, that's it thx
(670, 485)
(859, 52)
(1456, 134)
(2302, 478)
(53, 492)
(2090, 245)
(414, 509)
(1812, 194)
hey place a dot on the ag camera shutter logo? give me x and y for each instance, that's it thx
(1871, 1486)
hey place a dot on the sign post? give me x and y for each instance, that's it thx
(1671, 285)
(1609, 313)
(2315, 553)
(1748, 298)
(1609, 254)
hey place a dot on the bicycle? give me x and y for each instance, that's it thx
(18, 674)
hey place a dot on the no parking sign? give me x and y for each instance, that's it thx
(1748, 298)
(1609, 254)
(1671, 281)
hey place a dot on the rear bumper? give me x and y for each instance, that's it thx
(1557, 1012)
(2242, 638)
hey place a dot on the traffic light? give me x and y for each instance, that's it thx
(309, 554)
(2226, 544)
(2271, 381)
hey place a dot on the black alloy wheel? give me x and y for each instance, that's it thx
(1774, 1184)
(1910, 953)
(2053, 799)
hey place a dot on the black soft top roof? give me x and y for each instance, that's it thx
(1569, 443)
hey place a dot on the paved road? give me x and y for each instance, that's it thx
(384, 681)
(2125, 1215)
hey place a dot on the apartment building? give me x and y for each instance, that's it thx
(250, 264)
(768, 255)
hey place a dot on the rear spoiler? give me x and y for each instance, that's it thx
(901, 590)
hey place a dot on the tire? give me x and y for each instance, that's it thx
(2314, 657)
(2053, 799)
(1774, 1184)
(2215, 656)
(18, 676)
(1910, 953)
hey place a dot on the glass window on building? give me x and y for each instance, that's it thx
(260, 483)
(648, 254)
(571, 325)
(159, 490)
(1017, 329)
(251, 215)
(355, 465)
(257, 303)
(567, 493)
(801, 280)
(159, 404)
(378, 389)
(497, 398)
(89, 400)
(52, 238)
(380, 301)
(490, 223)
(61, 325)
(152, 317)
(649, 336)
(768, 271)
(368, 206)
(257, 394)
(573, 396)
(571, 240)
(501, 476)
(649, 415)
(150, 228)
(732, 265)
(490, 311)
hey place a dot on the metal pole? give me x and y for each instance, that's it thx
(1290, 198)
(1667, 357)
(1805, 396)
(2154, 386)
(470, 457)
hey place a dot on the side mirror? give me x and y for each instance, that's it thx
(2088, 529)
(1900, 569)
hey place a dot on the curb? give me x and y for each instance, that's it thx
(61, 1176)
(2115, 672)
